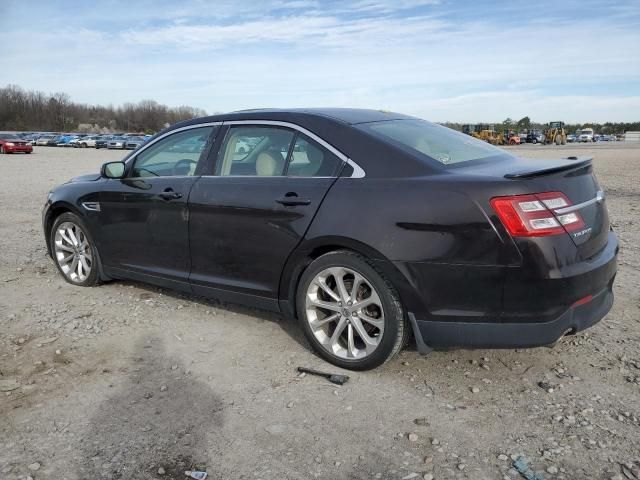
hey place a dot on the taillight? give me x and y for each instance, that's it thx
(534, 215)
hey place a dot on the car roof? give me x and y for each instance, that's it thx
(350, 116)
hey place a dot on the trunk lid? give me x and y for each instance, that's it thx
(574, 177)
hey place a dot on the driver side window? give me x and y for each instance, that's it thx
(175, 155)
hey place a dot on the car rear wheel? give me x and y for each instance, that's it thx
(350, 312)
(73, 251)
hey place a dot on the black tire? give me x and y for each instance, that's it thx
(396, 330)
(94, 276)
(534, 141)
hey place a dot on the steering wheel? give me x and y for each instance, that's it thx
(183, 167)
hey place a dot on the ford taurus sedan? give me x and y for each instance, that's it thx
(368, 227)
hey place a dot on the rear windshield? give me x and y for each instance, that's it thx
(439, 143)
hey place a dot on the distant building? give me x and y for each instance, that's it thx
(632, 136)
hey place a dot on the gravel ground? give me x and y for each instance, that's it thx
(127, 381)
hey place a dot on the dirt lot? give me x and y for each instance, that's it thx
(126, 381)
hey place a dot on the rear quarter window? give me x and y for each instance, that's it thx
(442, 144)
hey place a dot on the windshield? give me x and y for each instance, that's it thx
(9, 136)
(439, 143)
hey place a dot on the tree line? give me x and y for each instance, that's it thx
(526, 123)
(22, 110)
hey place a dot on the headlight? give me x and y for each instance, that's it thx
(9, 144)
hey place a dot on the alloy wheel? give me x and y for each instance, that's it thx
(73, 252)
(345, 313)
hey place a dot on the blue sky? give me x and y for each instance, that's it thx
(437, 59)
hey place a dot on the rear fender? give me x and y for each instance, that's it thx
(309, 250)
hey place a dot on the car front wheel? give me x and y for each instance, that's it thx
(74, 251)
(350, 312)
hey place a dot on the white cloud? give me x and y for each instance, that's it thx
(280, 53)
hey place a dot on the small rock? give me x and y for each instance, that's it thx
(337, 463)
(410, 476)
(413, 437)
(435, 441)
(318, 459)
(163, 388)
(8, 385)
(475, 390)
(161, 471)
(552, 469)
(34, 467)
(275, 429)
(290, 405)
(58, 352)
(174, 367)
(423, 422)
(461, 466)
(428, 476)
(503, 457)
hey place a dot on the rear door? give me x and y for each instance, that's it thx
(145, 216)
(248, 217)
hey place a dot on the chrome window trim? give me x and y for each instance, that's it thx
(164, 135)
(358, 172)
(599, 198)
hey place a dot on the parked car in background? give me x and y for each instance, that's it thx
(12, 143)
(117, 143)
(571, 138)
(535, 136)
(103, 141)
(133, 142)
(63, 140)
(43, 140)
(72, 141)
(88, 141)
(53, 141)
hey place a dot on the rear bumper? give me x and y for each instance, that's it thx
(516, 335)
(533, 312)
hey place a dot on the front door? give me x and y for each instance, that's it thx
(248, 218)
(145, 216)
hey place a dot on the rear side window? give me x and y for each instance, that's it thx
(309, 159)
(267, 151)
(439, 143)
(254, 151)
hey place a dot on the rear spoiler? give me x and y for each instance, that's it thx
(566, 164)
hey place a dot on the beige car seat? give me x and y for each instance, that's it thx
(269, 164)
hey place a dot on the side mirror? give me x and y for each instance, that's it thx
(113, 170)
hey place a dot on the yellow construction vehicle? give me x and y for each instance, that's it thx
(555, 133)
(484, 132)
